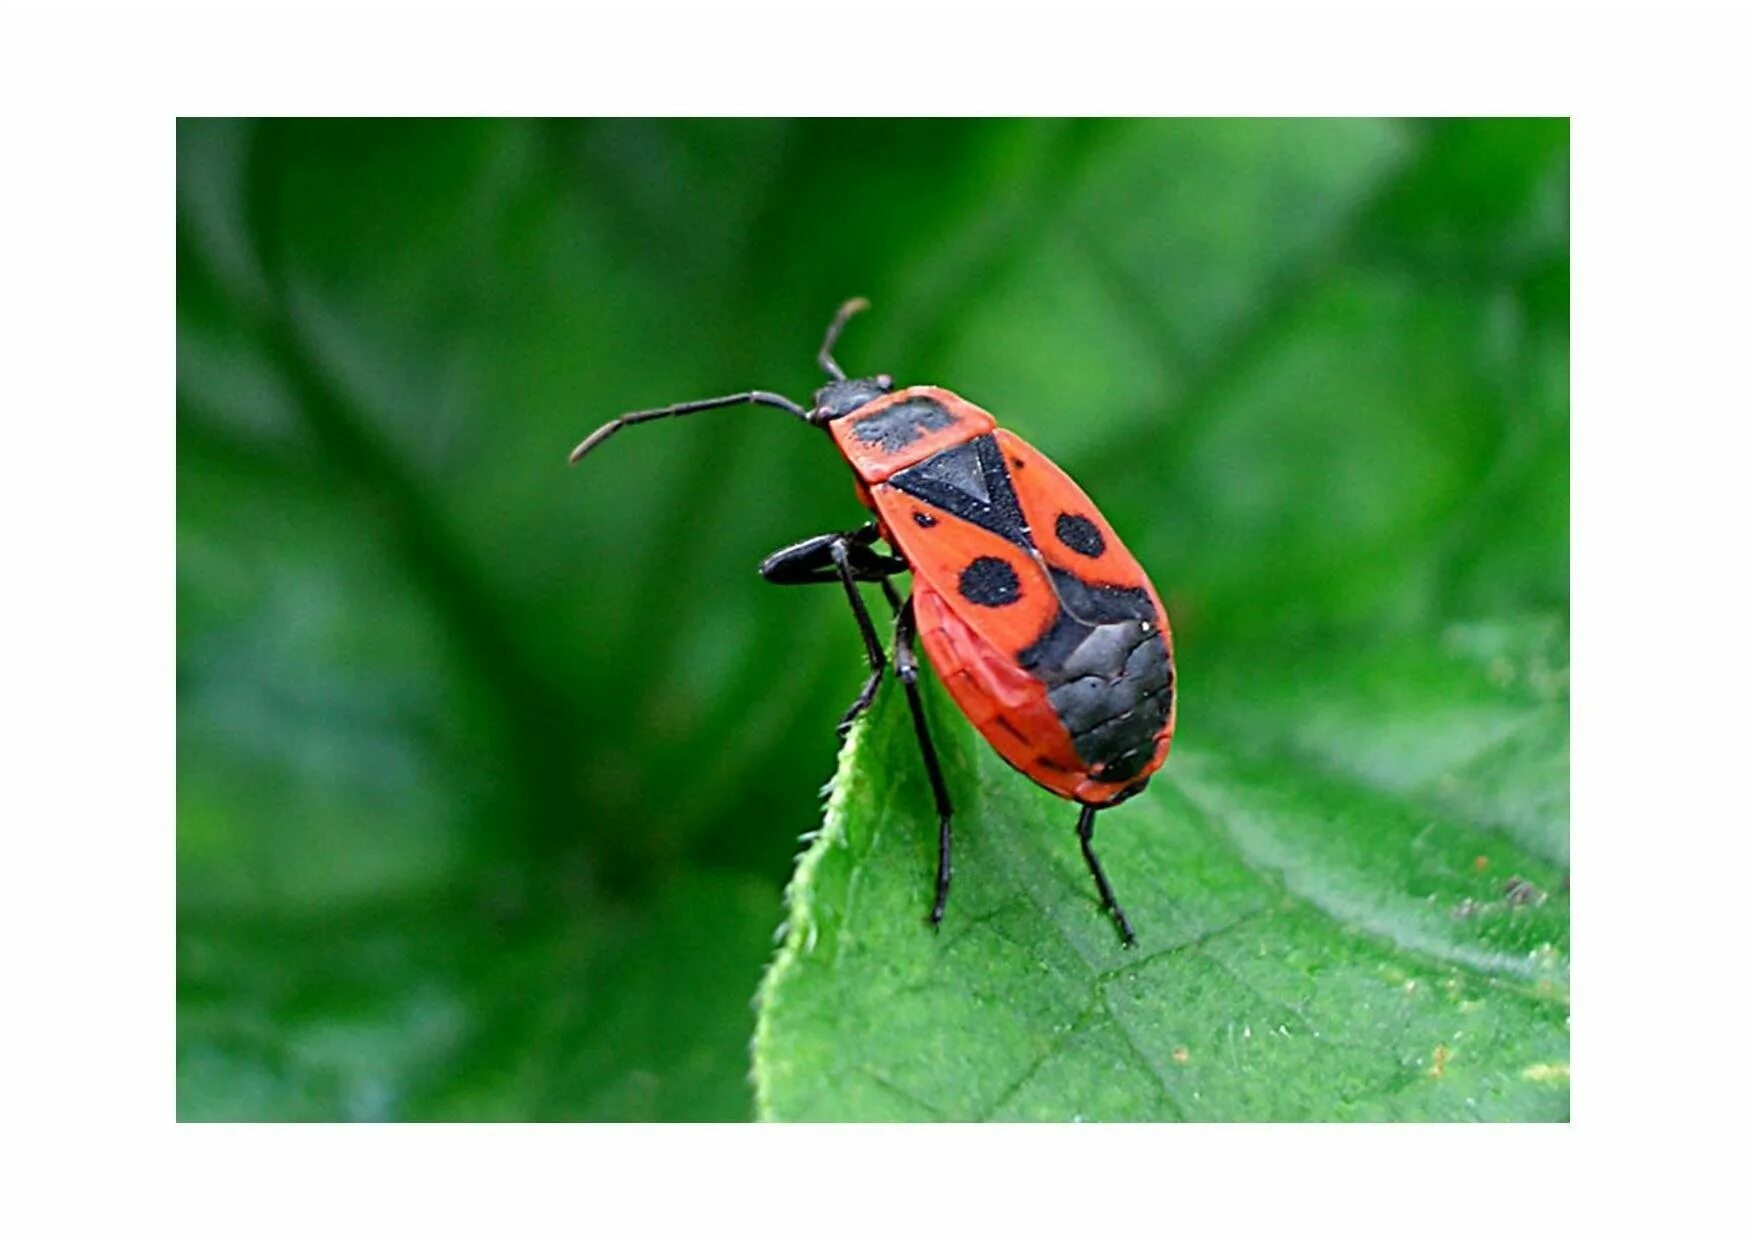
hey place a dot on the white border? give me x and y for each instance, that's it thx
(1660, 693)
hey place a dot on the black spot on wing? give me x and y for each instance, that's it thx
(969, 481)
(1078, 533)
(989, 582)
(902, 423)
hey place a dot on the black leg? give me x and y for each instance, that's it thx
(872, 646)
(812, 562)
(610, 428)
(848, 558)
(1109, 904)
(906, 669)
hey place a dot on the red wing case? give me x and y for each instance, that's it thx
(1042, 625)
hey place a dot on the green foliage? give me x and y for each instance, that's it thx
(490, 773)
(414, 1011)
(1335, 918)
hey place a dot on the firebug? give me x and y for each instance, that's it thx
(1039, 622)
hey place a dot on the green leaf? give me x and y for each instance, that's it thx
(1342, 450)
(1348, 907)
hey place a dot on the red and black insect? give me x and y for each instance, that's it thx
(1039, 622)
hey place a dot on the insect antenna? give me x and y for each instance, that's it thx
(610, 428)
(825, 357)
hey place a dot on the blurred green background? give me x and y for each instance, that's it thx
(490, 773)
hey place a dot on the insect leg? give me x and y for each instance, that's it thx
(842, 559)
(847, 558)
(811, 561)
(906, 669)
(888, 566)
(1109, 904)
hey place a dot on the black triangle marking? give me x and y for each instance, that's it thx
(956, 469)
(971, 481)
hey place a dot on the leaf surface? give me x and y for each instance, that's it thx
(1336, 918)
